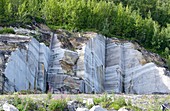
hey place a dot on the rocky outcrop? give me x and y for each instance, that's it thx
(94, 63)
(73, 63)
(27, 67)
(114, 67)
(143, 78)
(128, 71)
(61, 71)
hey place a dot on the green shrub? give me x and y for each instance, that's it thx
(168, 62)
(57, 105)
(118, 103)
(25, 104)
(102, 99)
(133, 108)
(105, 101)
(49, 96)
(41, 109)
(20, 107)
(97, 101)
(26, 92)
(90, 106)
(7, 31)
(115, 106)
(30, 104)
(15, 100)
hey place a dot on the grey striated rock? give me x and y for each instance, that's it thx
(12, 38)
(114, 68)
(27, 67)
(90, 63)
(142, 78)
(94, 64)
(61, 70)
(106, 65)
(23, 31)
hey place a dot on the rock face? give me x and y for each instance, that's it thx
(89, 63)
(114, 67)
(61, 72)
(143, 78)
(27, 67)
(94, 63)
(110, 65)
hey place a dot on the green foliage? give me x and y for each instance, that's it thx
(41, 109)
(26, 92)
(7, 31)
(168, 62)
(57, 105)
(25, 104)
(103, 99)
(111, 102)
(159, 9)
(16, 100)
(49, 96)
(133, 108)
(89, 106)
(118, 103)
(29, 104)
(97, 101)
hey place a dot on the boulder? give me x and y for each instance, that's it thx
(82, 109)
(71, 106)
(90, 101)
(97, 108)
(9, 107)
(70, 57)
(75, 106)
(66, 68)
(71, 82)
(165, 106)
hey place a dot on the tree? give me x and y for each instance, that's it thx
(2, 12)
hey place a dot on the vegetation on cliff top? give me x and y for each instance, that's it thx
(146, 21)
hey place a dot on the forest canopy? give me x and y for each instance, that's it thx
(145, 21)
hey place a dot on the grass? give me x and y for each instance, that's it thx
(57, 102)
(7, 31)
(29, 104)
(115, 102)
(57, 105)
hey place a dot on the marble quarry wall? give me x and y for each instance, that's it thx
(143, 78)
(125, 69)
(61, 70)
(27, 68)
(114, 67)
(93, 64)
